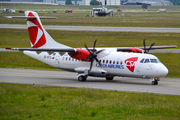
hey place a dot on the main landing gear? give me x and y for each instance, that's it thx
(154, 81)
(109, 78)
(82, 78)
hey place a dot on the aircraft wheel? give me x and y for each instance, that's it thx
(109, 78)
(82, 78)
(154, 82)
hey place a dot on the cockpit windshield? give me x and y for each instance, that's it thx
(146, 61)
(154, 61)
(151, 60)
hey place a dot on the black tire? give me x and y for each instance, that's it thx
(109, 78)
(82, 78)
(154, 82)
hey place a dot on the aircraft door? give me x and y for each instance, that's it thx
(57, 61)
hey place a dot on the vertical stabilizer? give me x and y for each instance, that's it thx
(39, 38)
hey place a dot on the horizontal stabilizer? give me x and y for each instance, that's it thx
(30, 17)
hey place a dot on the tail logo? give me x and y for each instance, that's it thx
(130, 63)
(36, 32)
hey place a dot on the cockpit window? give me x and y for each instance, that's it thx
(154, 61)
(146, 61)
(142, 60)
(158, 60)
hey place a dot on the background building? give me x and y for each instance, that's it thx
(150, 2)
(104, 2)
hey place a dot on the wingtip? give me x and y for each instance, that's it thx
(7, 16)
(8, 48)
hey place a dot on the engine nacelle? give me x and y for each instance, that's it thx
(80, 54)
(136, 50)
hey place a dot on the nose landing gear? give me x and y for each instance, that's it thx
(154, 81)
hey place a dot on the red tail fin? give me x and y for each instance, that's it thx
(36, 33)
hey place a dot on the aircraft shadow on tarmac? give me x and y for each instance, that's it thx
(116, 81)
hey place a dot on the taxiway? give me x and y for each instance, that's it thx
(168, 86)
(88, 28)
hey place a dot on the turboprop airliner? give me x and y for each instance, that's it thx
(96, 62)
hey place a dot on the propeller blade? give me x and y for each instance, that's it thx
(150, 47)
(79, 54)
(88, 57)
(99, 51)
(144, 45)
(98, 61)
(94, 45)
(92, 60)
(93, 56)
(87, 48)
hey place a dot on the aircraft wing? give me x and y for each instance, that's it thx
(44, 49)
(159, 47)
(123, 49)
(140, 49)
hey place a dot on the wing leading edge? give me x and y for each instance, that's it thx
(74, 50)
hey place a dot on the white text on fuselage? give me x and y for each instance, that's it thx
(110, 66)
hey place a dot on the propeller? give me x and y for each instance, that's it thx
(93, 55)
(147, 50)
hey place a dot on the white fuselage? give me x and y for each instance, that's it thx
(114, 63)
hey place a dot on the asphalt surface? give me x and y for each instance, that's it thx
(88, 28)
(168, 86)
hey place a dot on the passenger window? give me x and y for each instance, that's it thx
(117, 62)
(106, 61)
(113, 62)
(146, 61)
(103, 61)
(69, 59)
(66, 58)
(142, 60)
(110, 62)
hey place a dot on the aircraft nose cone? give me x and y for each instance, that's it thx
(163, 71)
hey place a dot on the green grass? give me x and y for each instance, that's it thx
(84, 7)
(20, 39)
(43, 102)
(19, 60)
(79, 17)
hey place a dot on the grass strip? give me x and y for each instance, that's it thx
(128, 19)
(20, 38)
(44, 102)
